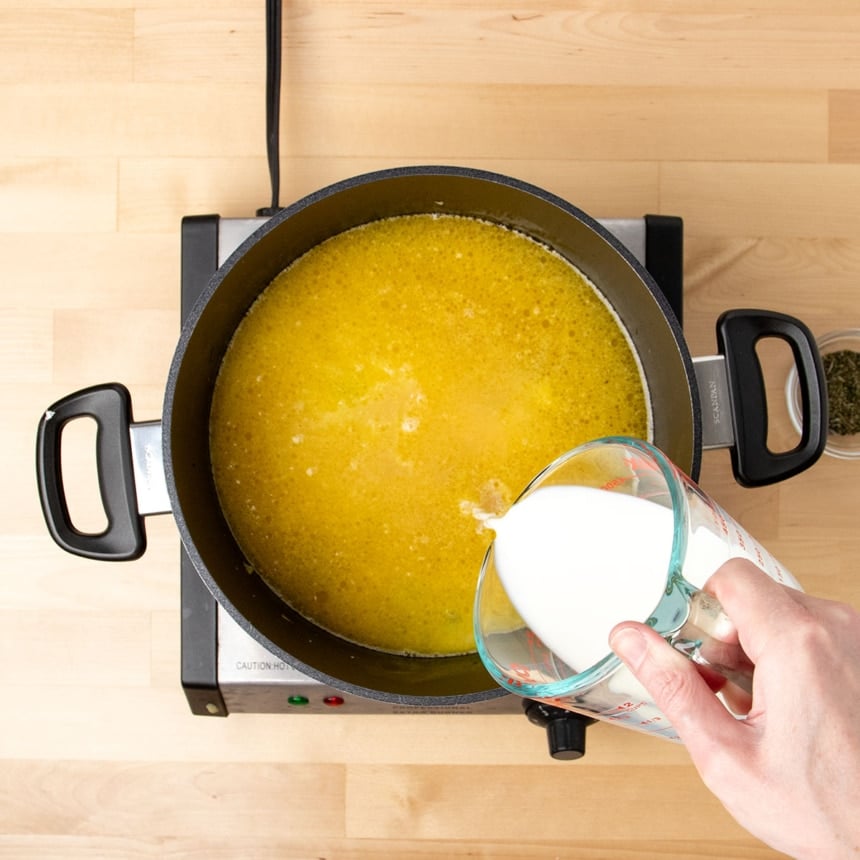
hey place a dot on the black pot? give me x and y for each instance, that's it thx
(668, 367)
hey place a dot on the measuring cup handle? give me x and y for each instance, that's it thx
(753, 463)
(709, 639)
(110, 406)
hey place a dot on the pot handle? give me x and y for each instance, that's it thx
(124, 538)
(753, 463)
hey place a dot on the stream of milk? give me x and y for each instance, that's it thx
(575, 561)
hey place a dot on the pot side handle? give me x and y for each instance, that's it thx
(109, 405)
(753, 463)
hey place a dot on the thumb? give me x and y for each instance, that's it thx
(675, 685)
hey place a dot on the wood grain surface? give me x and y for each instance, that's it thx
(119, 118)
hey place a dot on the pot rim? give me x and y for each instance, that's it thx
(492, 691)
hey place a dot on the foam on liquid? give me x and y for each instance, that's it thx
(575, 561)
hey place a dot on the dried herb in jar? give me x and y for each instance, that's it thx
(842, 374)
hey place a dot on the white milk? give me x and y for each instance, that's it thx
(575, 561)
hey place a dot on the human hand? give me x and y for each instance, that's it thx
(790, 771)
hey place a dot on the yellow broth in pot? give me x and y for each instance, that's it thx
(389, 388)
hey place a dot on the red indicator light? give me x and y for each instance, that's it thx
(333, 701)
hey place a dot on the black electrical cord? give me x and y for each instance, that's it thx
(273, 102)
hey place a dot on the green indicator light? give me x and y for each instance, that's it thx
(297, 700)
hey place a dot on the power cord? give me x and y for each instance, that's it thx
(273, 102)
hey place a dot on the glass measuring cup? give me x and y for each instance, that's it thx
(639, 530)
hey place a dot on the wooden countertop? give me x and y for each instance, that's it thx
(119, 118)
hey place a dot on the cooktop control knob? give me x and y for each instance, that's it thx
(565, 730)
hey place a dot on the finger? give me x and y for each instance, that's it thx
(676, 687)
(759, 607)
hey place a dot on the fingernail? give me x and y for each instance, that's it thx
(629, 644)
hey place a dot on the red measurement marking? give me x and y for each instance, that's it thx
(623, 711)
(522, 672)
(615, 482)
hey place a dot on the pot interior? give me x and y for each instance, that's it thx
(207, 333)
